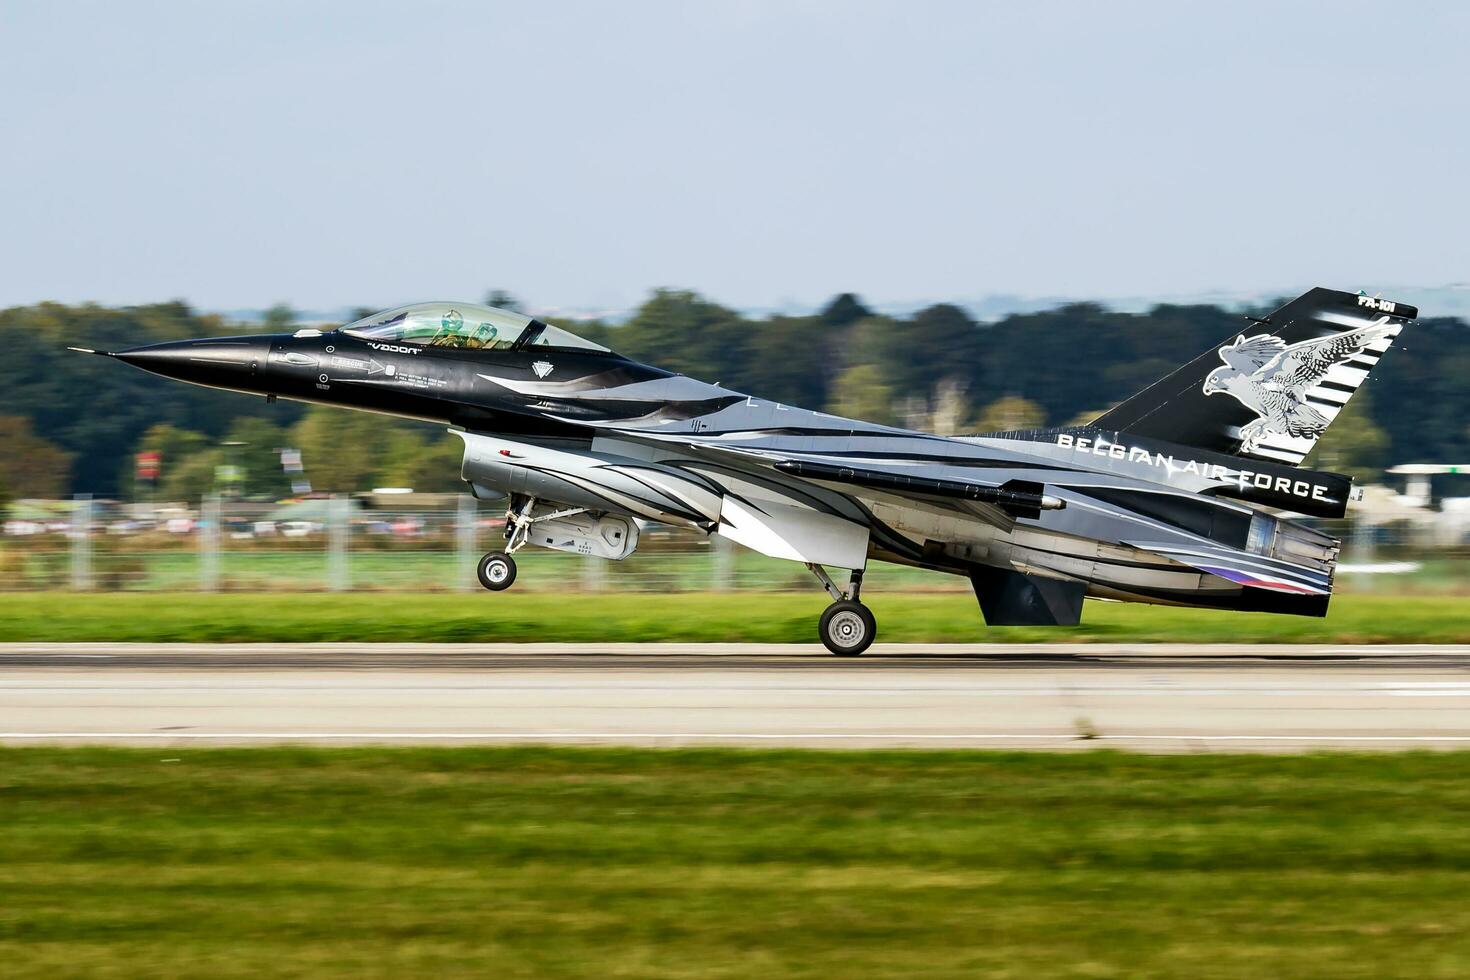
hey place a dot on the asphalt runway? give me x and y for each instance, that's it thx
(1151, 697)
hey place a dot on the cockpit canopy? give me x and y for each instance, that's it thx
(464, 325)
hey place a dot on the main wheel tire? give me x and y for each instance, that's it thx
(847, 628)
(496, 571)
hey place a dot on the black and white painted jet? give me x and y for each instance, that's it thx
(1151, 502)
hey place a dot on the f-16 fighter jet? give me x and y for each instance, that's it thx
(1175, 496)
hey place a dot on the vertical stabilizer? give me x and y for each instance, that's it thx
(1270, 391)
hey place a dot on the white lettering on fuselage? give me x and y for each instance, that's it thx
(393, 347)
(1214, 472)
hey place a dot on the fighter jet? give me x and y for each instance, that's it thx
(1177, 496)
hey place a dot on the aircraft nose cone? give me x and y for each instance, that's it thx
(218, 361)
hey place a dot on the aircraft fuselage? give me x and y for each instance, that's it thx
(1128, 519)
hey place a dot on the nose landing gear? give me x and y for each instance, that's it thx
(847, 627)
(496, 571)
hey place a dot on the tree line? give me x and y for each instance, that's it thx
(72, 423)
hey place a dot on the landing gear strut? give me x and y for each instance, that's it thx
(847, 627)
(497, 569)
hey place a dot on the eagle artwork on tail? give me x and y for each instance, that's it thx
(1273, 379)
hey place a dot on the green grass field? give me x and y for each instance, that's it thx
(688, 617)
(282, 569)
(538, 862)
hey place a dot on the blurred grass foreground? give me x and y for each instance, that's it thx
(541, 862)
(693, 617)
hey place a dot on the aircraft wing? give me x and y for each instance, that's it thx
(1019, 498)
(1023, 498)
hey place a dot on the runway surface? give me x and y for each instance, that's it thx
(1158, 697)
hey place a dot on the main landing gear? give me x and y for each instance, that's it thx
(847, 627)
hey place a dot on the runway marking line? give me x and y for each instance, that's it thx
(1162, 690)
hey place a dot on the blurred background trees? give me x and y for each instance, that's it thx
(33, 467)
(71, 423)
(1009, 413)
(1354, 444)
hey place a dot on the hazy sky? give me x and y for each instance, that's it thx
(579, 154)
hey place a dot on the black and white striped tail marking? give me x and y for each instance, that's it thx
(1297, 390)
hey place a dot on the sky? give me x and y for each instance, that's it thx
(329, 154)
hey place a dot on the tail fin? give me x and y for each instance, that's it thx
(1271, 391)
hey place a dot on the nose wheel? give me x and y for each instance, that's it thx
(847, 628)
(496, 571)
